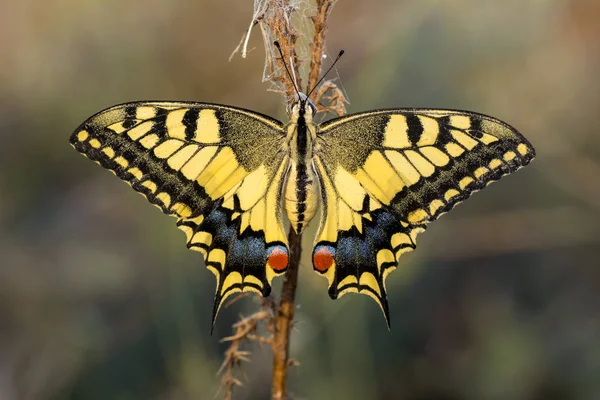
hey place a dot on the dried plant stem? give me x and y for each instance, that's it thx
(280, 24)
(285, 312)
(318, 44)
(246, 329)
(284, 319)
(275, 20)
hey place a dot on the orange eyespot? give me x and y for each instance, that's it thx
(277, 258)
(323, 258)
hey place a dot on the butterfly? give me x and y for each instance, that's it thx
(229, 174)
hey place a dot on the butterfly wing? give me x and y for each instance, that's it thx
(217, 169)
(385, 174)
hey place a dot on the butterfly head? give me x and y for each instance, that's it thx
(303, 103)
(302, 106)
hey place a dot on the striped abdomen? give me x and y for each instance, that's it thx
(301, 193)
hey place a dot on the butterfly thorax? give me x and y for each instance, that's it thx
(301, 190)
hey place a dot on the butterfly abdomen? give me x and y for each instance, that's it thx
(301, 195)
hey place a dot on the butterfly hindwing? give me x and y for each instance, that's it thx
(242, 238)
(218, 169)
(386, 174)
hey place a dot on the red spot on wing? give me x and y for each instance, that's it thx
(278, 259)
(323, 259)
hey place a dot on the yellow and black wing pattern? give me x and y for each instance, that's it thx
(385, 174)
(217, 169)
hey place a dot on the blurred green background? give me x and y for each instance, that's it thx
(99, 298)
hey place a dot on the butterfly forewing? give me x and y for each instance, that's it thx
(386, 174)
(218, 169)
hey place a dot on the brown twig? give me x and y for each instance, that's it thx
(274, 18)
(335, 102)
(285, 312)
(287, 305)
(246, 329)
(284, 319)
(278, 19)
(317, 45)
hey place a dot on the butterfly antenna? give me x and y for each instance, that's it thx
(325, 74)
(276, 43)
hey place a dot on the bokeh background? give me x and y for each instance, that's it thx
(99, 298)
